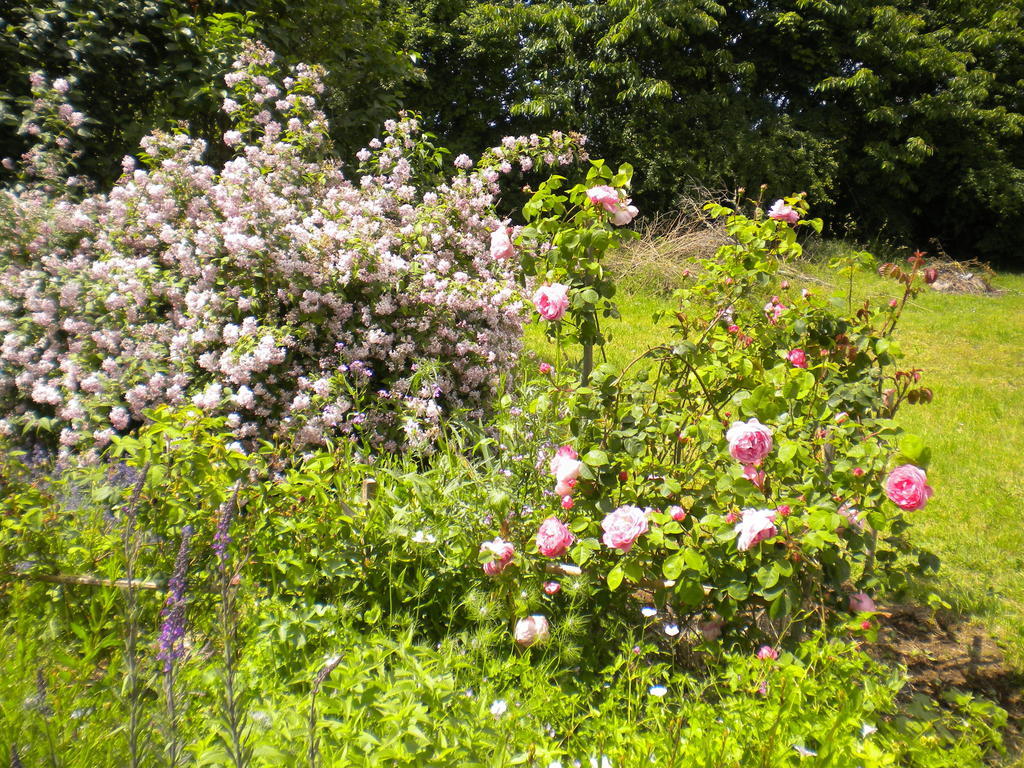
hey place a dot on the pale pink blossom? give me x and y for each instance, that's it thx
(623, 527)
(551, 300)
(501, 553)
(501, 244)
(605, 197)
(531, 630)
(781, 211)
(755, 526)
(767, 652)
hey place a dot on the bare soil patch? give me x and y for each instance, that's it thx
(943, 651)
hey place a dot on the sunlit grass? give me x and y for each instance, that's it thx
(971, 350)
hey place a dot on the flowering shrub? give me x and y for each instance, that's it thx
(741, 472)
(279, 292)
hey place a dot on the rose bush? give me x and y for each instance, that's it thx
(739, 473)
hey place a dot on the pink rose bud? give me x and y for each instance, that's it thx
(798, 358)
(545, 368)
(767, 652)
(501, 553)
(865, 625)
(862, 603)
(531, 631)
(734, 328)
(677, 513)
(931, 275)
(623, 527)
(805, 293)
(858, 472)
(567, 502)
(783, 212)
(749, 442)
(893, 303)
(907, 487)
(784, 285)
(783, 510)
(501, 244)
(553, 537)
(552, 587)
(551, 301)
(728, 281)
(842, 417)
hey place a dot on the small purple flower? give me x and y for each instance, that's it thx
(222, 536)
(172, 632)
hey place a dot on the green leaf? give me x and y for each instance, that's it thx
(672, 568)
(595, 457)
(615, 576)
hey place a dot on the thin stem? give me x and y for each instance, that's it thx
(131, 546)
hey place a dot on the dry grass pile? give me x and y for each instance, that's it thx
(670, 246)
(962, 276)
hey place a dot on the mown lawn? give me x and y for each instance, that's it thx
(971, 350)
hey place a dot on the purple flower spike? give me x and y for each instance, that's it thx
(172, 632)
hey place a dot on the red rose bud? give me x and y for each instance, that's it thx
(931, 275)
(623, 476)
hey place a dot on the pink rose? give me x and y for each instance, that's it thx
(623, 527)
(551, 300)
(907, 487)
(767, 652)
(749, 443)
(501, 244)
(604, 196)
(711, 630)
(501, 553)
(552, 587)
(862, 603)
(756, 526)
(545, 368)
(554, 537)
(797, 357)
(564, 453)
(783, 212)
(676, 513)
(624, 214)
(567, 502)
(565, 466)
(565, 486)
(531, 630)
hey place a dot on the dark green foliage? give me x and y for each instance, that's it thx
(906, 117)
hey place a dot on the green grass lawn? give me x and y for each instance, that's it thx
(970, 348)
